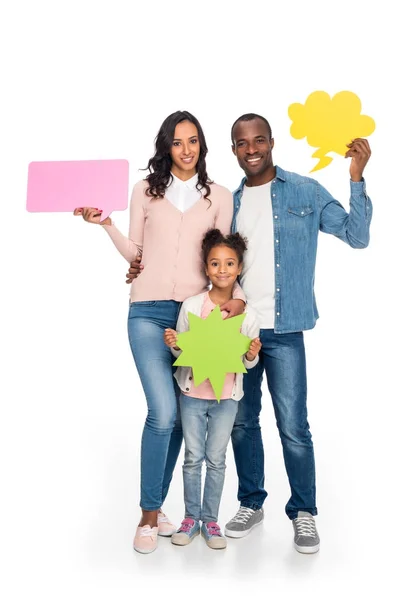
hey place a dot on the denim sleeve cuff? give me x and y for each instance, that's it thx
(358, 188)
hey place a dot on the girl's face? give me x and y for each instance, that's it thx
(223, 267)
(185, 150)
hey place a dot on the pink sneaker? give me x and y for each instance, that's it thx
(145, 539)
(165, 527)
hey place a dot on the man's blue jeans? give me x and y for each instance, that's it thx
(283, 358)
(162, 433)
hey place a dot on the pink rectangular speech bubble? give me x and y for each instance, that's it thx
(62, 186)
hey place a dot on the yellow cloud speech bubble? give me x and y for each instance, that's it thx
(329, 123)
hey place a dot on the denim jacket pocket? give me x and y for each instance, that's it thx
(301, 211)
(300, 221)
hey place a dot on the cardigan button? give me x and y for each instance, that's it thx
(190, 378)
(187, 389)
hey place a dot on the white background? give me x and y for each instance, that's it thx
(94, 80)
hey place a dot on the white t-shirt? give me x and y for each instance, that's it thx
(255, 222)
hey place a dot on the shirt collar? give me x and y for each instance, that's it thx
(189, 184)
(280, 174)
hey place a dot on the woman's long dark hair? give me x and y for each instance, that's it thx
(160, 164)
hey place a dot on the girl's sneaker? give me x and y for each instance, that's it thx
(186, 533)
(145, 539)
(165, 527)
(213, 536)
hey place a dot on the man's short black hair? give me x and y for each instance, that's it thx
(251, 117)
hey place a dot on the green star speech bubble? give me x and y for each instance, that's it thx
(213, 347)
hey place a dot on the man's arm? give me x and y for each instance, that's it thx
(237, 304)
(351, 227)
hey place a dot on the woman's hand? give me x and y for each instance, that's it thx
(91, 215)
(171, 338)
(255, 347)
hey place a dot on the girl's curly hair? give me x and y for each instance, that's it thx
(214, 237)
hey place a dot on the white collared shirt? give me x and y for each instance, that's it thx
(183, 194)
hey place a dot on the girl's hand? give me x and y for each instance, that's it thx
(91, 215)
(255, 347)
(171, 338)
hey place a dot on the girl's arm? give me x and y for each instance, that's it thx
(132, 246)
(250, 328)
(181, 326)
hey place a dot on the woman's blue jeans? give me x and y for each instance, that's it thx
(162, 433)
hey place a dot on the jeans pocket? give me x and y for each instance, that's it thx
(143, 303)
(142, 308)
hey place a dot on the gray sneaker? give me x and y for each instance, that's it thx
(243, 522)
(306, 538)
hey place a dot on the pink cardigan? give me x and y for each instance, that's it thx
(171, 242)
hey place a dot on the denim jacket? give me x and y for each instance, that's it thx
(301, 208)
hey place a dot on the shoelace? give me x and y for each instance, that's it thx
(243, 515)
(146, 532)
(306, 526)
(186, 526)
(213, 529)
(161, 518)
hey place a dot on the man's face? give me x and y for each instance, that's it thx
(252, 146)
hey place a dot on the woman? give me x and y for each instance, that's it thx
(170, 212)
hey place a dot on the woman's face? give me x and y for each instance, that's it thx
(185, 150)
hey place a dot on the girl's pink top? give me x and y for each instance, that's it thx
(205, 391)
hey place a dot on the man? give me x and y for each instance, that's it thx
(281, 214)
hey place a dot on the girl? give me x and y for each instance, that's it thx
(169, 213)
(207, 424)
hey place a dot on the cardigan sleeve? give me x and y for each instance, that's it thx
(132, 246)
